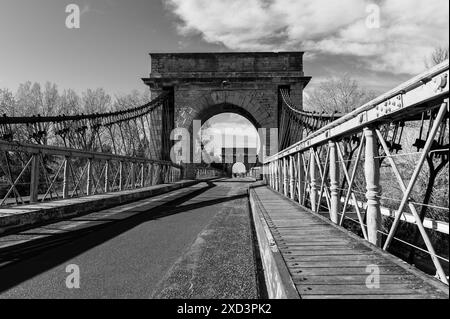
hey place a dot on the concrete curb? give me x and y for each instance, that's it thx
(22, 217)
(278, 280)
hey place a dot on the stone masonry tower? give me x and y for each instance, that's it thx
(203, 85)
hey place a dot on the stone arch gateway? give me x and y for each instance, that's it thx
(206, 84)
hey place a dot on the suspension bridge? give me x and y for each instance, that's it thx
(350, 205)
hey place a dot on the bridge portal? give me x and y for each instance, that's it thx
(204, 85)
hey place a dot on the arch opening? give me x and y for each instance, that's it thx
(227, 108)
(239, 170)
(230, 138)
(229, 131)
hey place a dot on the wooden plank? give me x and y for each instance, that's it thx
(313, 244)
(307, 229)
(300, 245)
(305, 272)
(351, 279)
(323, 253)
(301, 227)
(370, 258)
(384, 289)
(299, 249)
(302, 237)
(334, 263)
(282, 240)
(314, 241)
(297, 225)
(327, 262)
(311, 234)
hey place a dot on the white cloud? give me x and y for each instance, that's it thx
(410, 29)
(226, 128)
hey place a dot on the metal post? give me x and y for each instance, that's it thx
(277, 175)
(150, 173)
(133, 176)
(142, 176)
(157, 174)
(334, 183)
(280, 175)
(372, 173)
(279, 169)
(66, 178)
(34, 183)
(89, 178)
(301, 177)
(313, 179)
(121, 176)
(272, 175)
(285, 176)
(107, 167)
(291, 177)
(164, 174)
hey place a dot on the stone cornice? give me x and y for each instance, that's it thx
(218, 79)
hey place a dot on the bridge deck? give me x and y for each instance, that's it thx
(326, 261)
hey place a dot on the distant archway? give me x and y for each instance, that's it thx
(239, 169)
(229, 130)
(228, 138)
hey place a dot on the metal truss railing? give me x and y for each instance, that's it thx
(381, 170)
(60, 157)
(209, 173)
(35, 173)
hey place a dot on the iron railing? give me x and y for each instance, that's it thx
(366, 170)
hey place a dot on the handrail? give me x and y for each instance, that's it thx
(354, 143)
(94, 116)
(61, 151)
(416, 82)
(289, 104)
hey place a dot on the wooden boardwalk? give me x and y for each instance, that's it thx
(327, 262)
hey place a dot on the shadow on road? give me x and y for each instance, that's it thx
(26, 261)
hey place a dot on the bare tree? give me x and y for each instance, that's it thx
(131, 100)
(69, 103)
(438, 56)
(29, 99)
(50, 99)
(137, 130)
(96, 101)
(338, 94)
(7, 103)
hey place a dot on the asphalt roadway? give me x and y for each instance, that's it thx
(190, 243)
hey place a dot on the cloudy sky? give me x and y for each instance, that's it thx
(229, 130)
(111, 48)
